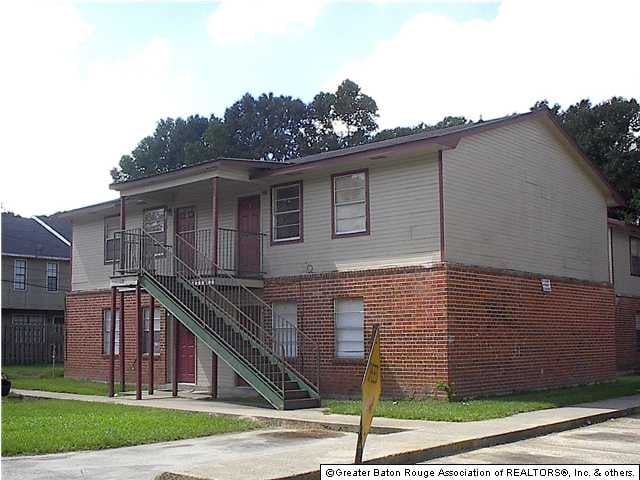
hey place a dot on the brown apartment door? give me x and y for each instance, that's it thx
(249, 241)
(186, 355)
(185, 228)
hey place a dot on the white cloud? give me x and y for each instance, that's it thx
(67, 120)
(533, 49)
(237, 22)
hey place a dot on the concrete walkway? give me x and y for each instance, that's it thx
(413, 442)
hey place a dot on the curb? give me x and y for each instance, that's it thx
(425, 454)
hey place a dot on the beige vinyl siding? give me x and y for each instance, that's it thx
(625, 284)
(89, 270)
(404, 223)
(517, 198)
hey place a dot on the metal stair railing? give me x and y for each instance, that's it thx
(298, 349)
(142, 253)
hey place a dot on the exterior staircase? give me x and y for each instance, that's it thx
(281, 364)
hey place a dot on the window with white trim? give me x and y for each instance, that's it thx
(349, 328)
(634, 254)
(285, 321)
(52, 277)
(19, 274)
(146, 312)
(111, 244)
(106, 332)
(350, 203)
(287, 212)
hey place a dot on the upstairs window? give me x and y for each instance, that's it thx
(350, 204)
(155, 224)
(111, 244)
(286, 208)
(634, 250)
(19, 274)
(146, 312)
(52, 277)
(349, 328)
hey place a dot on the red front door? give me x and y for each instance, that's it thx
(186, 230)
(249, 242)
(186, 355)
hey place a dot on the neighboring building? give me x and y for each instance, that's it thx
(481, 251)
(36, 255)
(625, 274)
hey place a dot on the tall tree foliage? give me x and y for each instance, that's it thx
(269, 127)
(608, 132)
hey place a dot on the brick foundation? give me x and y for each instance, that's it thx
(507, 335)
(478, 331)
(83, 338)
(409, 305)
(627, 348)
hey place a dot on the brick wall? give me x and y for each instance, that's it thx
(83, 331)
(407, 303)
(627, 349)
(507, 335)
(480, 331)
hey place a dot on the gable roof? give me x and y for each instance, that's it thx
(444, 139)
(28, 238)
(448, 138)
(60, 225)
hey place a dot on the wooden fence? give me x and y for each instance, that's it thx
(31, 343)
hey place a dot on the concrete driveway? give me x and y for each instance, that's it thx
(615, 441)
(234, 454)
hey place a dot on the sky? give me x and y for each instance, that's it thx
(82, 82)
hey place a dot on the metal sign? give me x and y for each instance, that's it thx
(371, 390)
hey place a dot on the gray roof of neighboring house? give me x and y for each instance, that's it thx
(25, 236)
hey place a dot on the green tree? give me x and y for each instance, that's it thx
(446, 122)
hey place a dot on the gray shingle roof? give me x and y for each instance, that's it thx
(25, 236)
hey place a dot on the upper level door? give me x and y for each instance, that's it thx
(249, 241)
(186, 229)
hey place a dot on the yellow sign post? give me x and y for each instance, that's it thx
(371, 390)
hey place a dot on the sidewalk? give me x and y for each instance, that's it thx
(414, 441)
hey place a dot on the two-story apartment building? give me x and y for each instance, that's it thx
(481, 251)
(625, 274)
(35, 277)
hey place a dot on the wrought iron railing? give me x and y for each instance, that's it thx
(226, 308)
(238, 253)
(298, 349)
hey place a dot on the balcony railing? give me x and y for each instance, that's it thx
(239, 253)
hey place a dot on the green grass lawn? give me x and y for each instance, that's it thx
(43, 377)
(45, 426)
(492, 407)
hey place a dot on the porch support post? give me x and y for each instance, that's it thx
(123, 217)
(174, 377)
(138, 343)
(122, 345)
(112, 343)
(214, 239)
(214, 375)
(152, 311)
